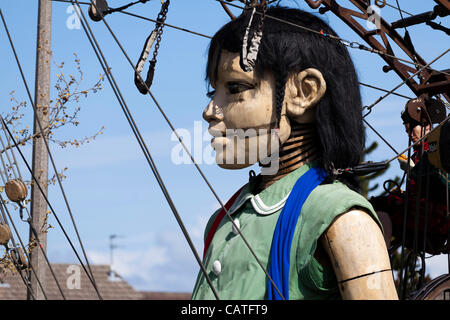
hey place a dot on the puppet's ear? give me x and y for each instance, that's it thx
(303, 91)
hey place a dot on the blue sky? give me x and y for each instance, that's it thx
(109, 185)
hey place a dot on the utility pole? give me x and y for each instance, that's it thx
(40, 154)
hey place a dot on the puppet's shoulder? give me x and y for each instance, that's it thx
(328, 201)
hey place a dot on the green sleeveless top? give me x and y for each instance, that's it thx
(233, 270)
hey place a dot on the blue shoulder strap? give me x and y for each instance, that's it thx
(280, 253)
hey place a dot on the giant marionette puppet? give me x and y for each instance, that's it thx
(299, 102)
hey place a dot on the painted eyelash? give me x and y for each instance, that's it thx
(240, 86)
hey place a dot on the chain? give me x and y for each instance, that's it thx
(156, 35)
(160, 28)
(263, 15)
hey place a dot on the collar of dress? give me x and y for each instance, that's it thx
(273, 198)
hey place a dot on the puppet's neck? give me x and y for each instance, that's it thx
(299, 149)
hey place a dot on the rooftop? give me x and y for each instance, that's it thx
(75, 285)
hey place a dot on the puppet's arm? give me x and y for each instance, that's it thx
(356, 248)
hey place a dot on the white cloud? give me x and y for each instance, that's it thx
(157, 262)
(437, 265)
(128, 262)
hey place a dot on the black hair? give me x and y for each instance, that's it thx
(286, 49)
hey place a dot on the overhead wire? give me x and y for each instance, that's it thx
(89, 274)
(187, 151)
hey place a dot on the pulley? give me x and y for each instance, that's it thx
(100, 8)
(16, 190)
(18, 258)
(97, 9)
(424, 110)
(5, 234)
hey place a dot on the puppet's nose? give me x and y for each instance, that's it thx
(212, 112)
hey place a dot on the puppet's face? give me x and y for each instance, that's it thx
(242, 113)
(417, 132)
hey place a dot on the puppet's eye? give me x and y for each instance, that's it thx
(238, 87)
(211, 94)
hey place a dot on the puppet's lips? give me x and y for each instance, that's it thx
(216, 132)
